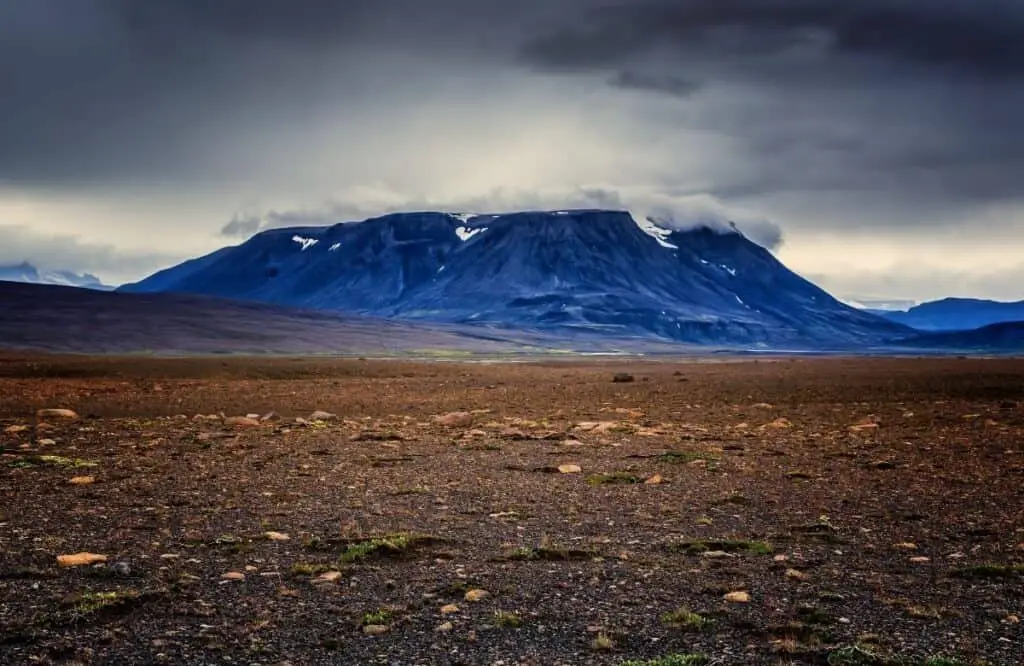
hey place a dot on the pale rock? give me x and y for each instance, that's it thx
(569, 468)
(739, 597)
(57, 414)
(233, 575)
(477, 595)
(80, 559)
(455, 420)
(449, 609)
(375, 629)
(276, 536)
(82, 480)
(320, 415)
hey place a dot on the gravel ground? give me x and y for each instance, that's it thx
(796, 511)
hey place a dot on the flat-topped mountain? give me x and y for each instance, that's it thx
(603, 271)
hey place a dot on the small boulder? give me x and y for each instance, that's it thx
(82, 480)
(455, 420)
(233, 576)
(739, 597)
(320, 415)
(623, 378)
(241, 422)
(569, 469)
(57, 414)
(80, 559)
(477, 595)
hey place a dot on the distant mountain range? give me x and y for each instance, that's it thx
(956, 314)
(594, 271)
(26, 272)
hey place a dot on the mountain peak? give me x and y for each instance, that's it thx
(29, 273)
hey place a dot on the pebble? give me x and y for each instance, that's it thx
(233, 575)
(446, 627)
(449, 609)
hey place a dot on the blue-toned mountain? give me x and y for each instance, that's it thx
(602, 271)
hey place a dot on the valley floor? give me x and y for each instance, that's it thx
(785, 511)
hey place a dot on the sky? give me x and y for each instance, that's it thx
(875, 146)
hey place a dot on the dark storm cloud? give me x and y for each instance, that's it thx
(978, 36)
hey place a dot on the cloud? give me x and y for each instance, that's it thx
(670, 211)
(70, 252)
(979, 37)
(669, 85)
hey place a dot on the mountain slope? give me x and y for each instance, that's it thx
(592, 270)
(958, 314)
(26, 272)
(1002, 337)
(69, 319)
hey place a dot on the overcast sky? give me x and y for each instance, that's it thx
(882, 137)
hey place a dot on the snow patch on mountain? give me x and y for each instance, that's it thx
(654, 231)
(306, 243)
(465, 233)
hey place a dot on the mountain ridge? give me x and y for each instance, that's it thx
(957, 314)
(28, 273)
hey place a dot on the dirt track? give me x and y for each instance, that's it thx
(870, 510)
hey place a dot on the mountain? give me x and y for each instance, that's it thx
(50, 318)
(1002, 337)
(26, 272)
(957, 314)
(590, 270)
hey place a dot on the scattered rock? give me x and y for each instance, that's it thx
(863, 426)
(1013, 619)
(80, 559)
(276, 536)
(320, 415)
(46, 442)
(716, 555)
(796, 574)
(455, 420)
(121, 568)
(655, 480)
(779, 423)
(569, 469)
(233, 575)
(762, 405)
(241, 422)
(737, 597)
(477, 595)
(375, 629)
(449, 609)
(329, 577)
(623, 378)
(780, 558)
(170, 556)
(270, 416)
(56, 414)
(15, 429)
(82, 480)
(906, 545)
(445, 628)
(920, 560)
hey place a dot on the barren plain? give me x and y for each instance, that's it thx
(780, 511)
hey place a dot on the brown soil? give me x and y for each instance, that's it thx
(816, 486)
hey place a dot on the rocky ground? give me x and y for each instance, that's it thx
(811, 511)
